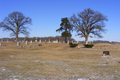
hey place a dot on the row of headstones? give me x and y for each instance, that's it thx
(31, 40)
(18, 43)
(40, 41)
(3, 40)
(48, 41)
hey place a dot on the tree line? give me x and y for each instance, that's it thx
(87, 23)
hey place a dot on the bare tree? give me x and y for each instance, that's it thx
(16, 22)
(89, 22)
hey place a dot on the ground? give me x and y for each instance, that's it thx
(57, 61)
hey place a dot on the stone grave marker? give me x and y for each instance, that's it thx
(56, 40)
(2, 40)
(7, 40)
(35, 40)
(77, 41)
(26, 42)
(49, 40)
(86, 42)
(40, 41)
(0, 44)
(23, 41)
(45, 41)
(31, 41)
(18, 43)
(68, 42)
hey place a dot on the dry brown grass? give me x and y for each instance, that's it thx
(57, 61)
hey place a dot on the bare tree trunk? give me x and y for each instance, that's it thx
(86, 40)
(16, 37)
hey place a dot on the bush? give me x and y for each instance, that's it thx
(72, 45)
(88, 45)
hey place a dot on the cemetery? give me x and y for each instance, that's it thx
(60, 57)
(44, 60)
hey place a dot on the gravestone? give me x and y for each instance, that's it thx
(7, 40)
(31, 41)
(86, 42)
(29, 46)
(106, 52)
(26, 42)
(2, 40)
(40, 41)
(68, 42)
(45, 41)
(23, 41)
(56, 40)
(18, 43)
(0, 44)
(49, 40)
(63, 41)
(35, 40)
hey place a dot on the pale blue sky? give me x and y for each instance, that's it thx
(46, 15)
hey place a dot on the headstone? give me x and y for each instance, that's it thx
(21, 46)
(0, 44)
(77, 41)
(45, 41)
(49, 40)
(18, 43)
(56, 40)
(40, 41)
(26, 42)
(106, 52)
(35, 40)
(63, 41)
(68, 42)
(23, 41)
(31, 41)
(86, 42)
(29, 46)
(7, 40)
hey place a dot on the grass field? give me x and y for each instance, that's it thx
(57, 61)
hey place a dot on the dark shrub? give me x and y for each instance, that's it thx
(72, 45)
(88, 45)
